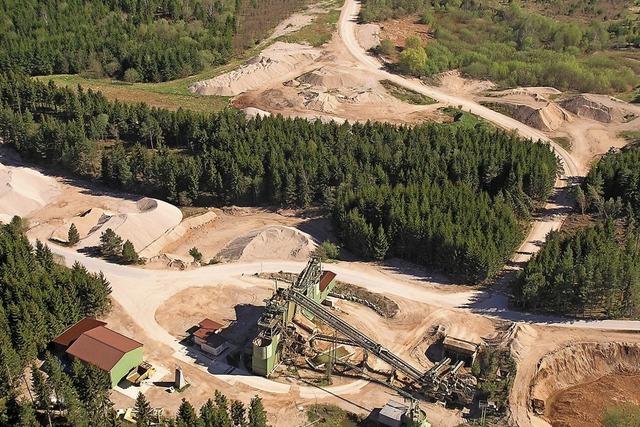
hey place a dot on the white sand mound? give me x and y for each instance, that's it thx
(252, 112)
(320, 101)
(602, 108)
(273, 63)
(330, 77)
(149, 223)
(84, 222)
(273, 243)
(368, 35)
(454, 82)
(24, 190)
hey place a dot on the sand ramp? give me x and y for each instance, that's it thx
(24, 190)
(274, 242)
(85, 224)
(150, 222)
(176, 233)
(273, 63)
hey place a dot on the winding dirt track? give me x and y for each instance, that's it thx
(141, 292)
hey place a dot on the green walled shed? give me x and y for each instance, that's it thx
(110, 351)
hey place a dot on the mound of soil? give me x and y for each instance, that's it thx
(275, 242)
(151, 221)
(602, 108)
(584, 404)
(547, 118)
(24, 190)
(334, 78)
(273, 63)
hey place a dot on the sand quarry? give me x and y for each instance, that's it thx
(567, 367)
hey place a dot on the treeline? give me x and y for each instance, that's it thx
(514, 47)
(449, 196)
(40, 298)
(133, 40)
(596, 271)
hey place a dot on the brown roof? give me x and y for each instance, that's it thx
(102, 347)
(208, 327)
(72, 334)
(210, 324)
(326, 278)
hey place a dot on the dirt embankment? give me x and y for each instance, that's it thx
(275, 62)
(547, 117)
(578, 367)
(601, 108)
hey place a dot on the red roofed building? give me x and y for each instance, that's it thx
(110, 351)
(68, 337)
(208, 338)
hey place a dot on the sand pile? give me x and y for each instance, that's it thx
(273, 63)
(151, 221)
(453, 81)
(320, 101)
(547, 117)
(84, 222)
(23, 190)
(581, 363)
(602, 108)
(252, 112)
(176, 233)
(273, 243)
(336, 78)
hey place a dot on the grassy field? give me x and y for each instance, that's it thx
(171, 95)
(321, 29)
(258, 17)
(406, 95)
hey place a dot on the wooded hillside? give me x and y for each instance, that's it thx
(132, 40)
(594, 272)
(591, 48)
(450, 196)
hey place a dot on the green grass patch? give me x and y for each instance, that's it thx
(563, 142)
(326, 415)
(406, 95)
(465, 119)
(320, 30)
(633, 136)
(171, 95)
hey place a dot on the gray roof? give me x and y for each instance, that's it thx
(394, 410)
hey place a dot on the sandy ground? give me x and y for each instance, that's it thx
(23, 190)
(584, 404)
(338, 80)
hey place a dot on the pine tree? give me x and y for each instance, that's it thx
(110, 243)
(143, 411)
(129, 254)
(73, 237)
(196, 254)
(257, 415)
(238, 414)
(187, 416)
(380, 245)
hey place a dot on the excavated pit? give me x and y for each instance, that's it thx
(578, 383)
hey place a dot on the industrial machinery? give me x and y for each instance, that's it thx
(442, 381)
